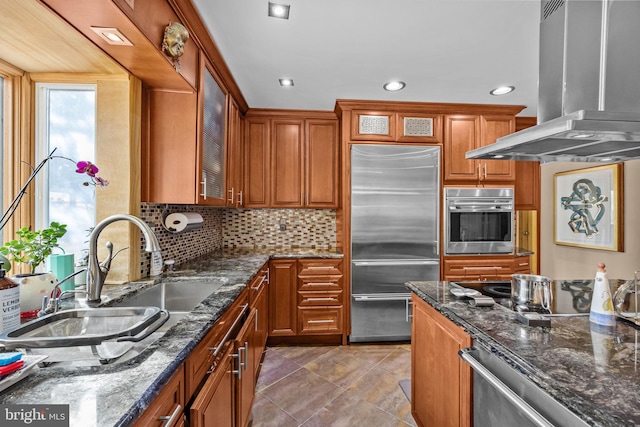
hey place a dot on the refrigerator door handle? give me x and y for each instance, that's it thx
(382, 263)
(381, 297)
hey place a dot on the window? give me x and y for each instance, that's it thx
(66, 122)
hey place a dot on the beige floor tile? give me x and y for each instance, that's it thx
(302, 394)
(339, 367)
(266, 414)
(302, 354)
(399, 363)
(349, 411)
(381, 388)
(274, 368)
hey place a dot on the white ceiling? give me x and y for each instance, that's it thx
(445, 50)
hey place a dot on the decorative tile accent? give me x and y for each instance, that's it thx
(229, 229)
(181, 247)
(260, 229)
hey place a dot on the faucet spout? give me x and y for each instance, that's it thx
(97, 273)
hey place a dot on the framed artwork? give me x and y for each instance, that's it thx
(588, 209)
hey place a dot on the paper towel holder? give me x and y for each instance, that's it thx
(190, 227)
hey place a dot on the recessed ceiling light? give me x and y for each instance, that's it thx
(279, 10)
(112, 36)
(286, 82)
(502, 90)
(394, 86)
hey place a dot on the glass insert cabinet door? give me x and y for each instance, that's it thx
(212, 124)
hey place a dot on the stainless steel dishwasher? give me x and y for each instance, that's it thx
(503, 397)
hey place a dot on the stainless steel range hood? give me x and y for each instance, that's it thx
(589, 86)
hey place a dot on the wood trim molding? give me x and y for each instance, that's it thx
(525, 122)
(200, 34)
(425, 107)
(290, 114)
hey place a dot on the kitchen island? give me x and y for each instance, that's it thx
(117, 394)
(591, 372)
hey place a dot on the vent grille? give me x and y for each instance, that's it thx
(418, 126)
(551, 6)
(374, 125)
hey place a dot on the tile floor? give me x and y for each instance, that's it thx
(350, 386)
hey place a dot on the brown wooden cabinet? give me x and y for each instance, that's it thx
(287, 163)
(214, 405)
(527, 186)
(479, 267)
(257, 168)
(389, 126)
(167, 408)
(184, 144)
(306, 298)
(522, 265)
(441, 383)
(320, 297)
(235, 160)
(259, 301)
(291, 162)
(283, 274)
(466, 132)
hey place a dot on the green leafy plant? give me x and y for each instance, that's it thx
(33, 247)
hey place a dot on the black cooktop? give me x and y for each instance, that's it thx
(569, 296)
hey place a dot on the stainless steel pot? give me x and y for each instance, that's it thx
(531, 293)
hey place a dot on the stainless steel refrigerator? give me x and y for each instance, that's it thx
(394, 235)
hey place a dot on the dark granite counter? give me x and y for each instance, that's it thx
(592, 372)
(115, 395)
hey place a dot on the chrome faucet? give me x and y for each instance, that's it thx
(97, 271)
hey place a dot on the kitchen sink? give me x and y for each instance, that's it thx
(178, 298)
(110, 335)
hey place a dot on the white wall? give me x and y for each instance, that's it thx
(566, 262)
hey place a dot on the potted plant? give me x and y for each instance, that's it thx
(32, 248)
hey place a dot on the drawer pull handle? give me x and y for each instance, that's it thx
(321, 284)
(170, 420)
(321, 299)
(321, 321)
(320, 267)
(217, 349)
(523, 263)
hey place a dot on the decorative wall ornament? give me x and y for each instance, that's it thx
(175, 36)
(588, 209)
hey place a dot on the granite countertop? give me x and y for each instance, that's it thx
(592, 372)
(116, 394)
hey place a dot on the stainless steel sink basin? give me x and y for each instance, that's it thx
(86, 327)
(178, 298)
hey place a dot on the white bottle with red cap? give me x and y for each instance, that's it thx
(601, 303)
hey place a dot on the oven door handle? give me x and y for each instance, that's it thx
(398, 262)
(480, 369)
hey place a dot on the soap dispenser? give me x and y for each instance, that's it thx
(601, 303)
(9, 301)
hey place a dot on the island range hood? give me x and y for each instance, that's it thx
(589, 86)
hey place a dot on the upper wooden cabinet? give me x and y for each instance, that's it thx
(291, 162)
(184, 150)
(235, 161)
(465, 132)
(396, 127)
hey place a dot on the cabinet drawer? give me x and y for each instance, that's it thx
(313, 298)
(169, 403)
(316, 267)
(320, 283)
(319, 320)
(478, 268)
(521, 265)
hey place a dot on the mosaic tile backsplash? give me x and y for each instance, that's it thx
(279, 229)
(238, 229)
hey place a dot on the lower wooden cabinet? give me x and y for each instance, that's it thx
(214, 405)
(441, 383)
(306, 297)
(483, 267)
(167, 409)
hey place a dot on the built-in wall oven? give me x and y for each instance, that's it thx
(478, 220)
